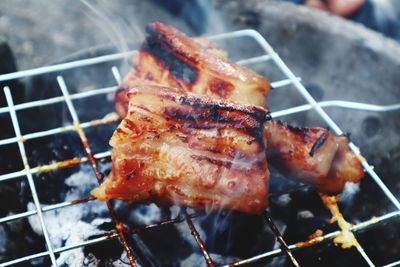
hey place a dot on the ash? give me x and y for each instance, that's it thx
(75, 224)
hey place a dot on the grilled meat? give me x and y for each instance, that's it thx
(313, 156)
(181, 148)
(170, 58)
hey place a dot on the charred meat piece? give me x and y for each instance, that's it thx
(312, 155)
(170, 58)
(181, 148)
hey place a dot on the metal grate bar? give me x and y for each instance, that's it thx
(118, 225)
(54, 166)
(31, 183)
(105, 120)
(365, 256)
(196, 236)
(65, 66)
(280, 239)
(25, 258)
(59, 99)
(47, 208)
(117, 74)
(17, 216)
(254, 60)
(12, 175)
(282, 83)
(338, 104)
(396, 263)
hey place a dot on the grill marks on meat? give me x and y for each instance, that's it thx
(180, 148)
(312, 155)
(169, 58)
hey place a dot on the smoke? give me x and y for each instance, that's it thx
(349, 191)
(119, 31)
(146, 215)
(384, 12)
(116, 28)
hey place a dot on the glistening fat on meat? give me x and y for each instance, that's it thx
(181, 148)
(312, 155)
(170, 58)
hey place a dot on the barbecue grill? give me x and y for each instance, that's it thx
(122, 232)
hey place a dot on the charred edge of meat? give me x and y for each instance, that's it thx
(121, 89)
(162, 49)
(200, 118)
(320, 141)
(212, 115)
(202, 112)
(259, 114)
(121, 100)
(302, 131)
(221, 88)
(347, 135)
(192, 53)
(268, 116)
(203, 115)
(216, 162)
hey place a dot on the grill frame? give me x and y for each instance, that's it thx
(28, 171)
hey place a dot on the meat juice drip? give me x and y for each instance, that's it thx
(346, 238)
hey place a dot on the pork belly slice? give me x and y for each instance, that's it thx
(172, 59)
(312, 155)
(181, 148)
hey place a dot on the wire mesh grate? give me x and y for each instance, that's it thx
(120, 230)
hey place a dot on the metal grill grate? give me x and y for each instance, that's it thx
(120, 230)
